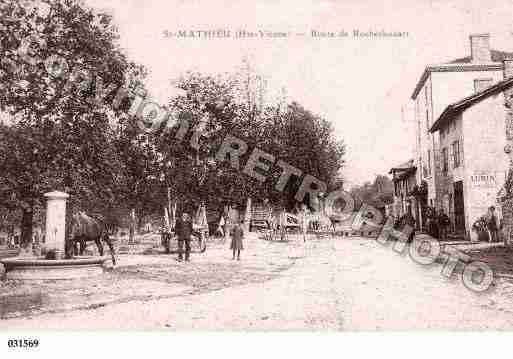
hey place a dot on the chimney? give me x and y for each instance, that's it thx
(507, 67)
(480, 48)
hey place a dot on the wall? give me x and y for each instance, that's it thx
(485, 163)
(425, 143)
(507, 204)
(402, 188)
(450, 87)
(440, 90)
(450, 133)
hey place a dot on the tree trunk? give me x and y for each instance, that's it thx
(26, 229)
(68, 243)
(140, 221)
(10, 235)
(131, 233)
(169, 205)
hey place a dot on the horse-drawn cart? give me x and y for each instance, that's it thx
(169, 240)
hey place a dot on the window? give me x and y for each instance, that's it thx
(429, 162)
(481, 84)
(456, 153)
(445, 160)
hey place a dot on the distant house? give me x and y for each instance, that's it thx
(404, 179)
(473, 166)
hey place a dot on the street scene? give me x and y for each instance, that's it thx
(161, 169)
(314, 287)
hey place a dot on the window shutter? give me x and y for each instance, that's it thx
(450, 162)
(460, 141)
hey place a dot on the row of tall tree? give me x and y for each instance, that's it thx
(56, 137)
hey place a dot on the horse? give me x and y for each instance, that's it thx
(85, 228)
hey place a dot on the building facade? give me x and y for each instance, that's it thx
(439, 86)
(474, 166)
(405, 183)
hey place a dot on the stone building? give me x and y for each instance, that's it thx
(505, 195)
(473, 165)
(404, 179)
(439, 86)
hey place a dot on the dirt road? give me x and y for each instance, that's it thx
(329, 284)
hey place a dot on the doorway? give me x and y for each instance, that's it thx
(459, 207)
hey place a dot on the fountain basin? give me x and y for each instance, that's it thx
(7, 253)
(19, 268)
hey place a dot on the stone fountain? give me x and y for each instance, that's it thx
(40, 268)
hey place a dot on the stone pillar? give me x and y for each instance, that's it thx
(56, 222)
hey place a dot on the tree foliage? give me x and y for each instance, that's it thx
(378, 193)
(65, 132)
(219, 106)
(59, 137)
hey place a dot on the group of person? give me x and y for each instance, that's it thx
(437, 223)
(184, 231)
(406, 219)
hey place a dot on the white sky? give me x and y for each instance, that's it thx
(359, 85)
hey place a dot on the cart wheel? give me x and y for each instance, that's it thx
(202, 244)
(199, 240)
(163, 239)
(167, 242)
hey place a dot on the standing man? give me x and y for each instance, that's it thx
(492, 224)
(443, 223)
(433, 223)
(184, 231)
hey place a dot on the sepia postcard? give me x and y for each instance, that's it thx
(255, 166)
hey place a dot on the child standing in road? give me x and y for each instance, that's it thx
(237, 234)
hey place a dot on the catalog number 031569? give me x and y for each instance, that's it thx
(22, 343)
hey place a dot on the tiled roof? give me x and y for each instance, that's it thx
(497, 56)
(469, 101)
(463, 64)
(454, 67)
(407, 166)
